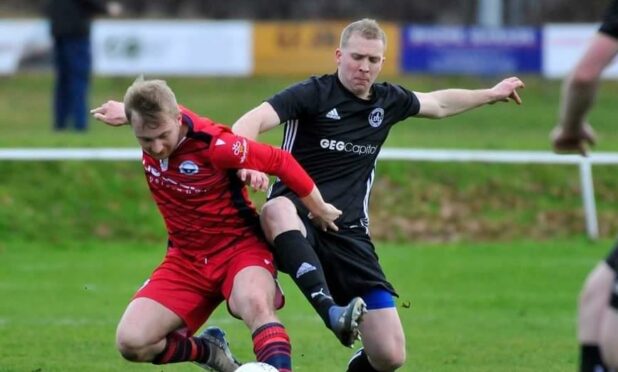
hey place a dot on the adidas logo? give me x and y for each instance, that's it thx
(333, 114)
(304, 269)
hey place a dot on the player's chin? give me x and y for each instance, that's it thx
(361, 89)
(159, 156)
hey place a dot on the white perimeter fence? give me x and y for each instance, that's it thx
(434, 155)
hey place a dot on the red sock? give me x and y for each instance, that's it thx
(271, 345)
(179, 348)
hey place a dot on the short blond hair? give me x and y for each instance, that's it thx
(150, 100)
(366, 27)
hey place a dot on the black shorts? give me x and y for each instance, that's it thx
(349, 260)
(612, 258)
(610, 20)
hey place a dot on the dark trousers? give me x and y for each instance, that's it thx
(72, 59)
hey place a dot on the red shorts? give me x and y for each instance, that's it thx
(192, 284)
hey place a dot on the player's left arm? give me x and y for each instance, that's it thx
(448, 102)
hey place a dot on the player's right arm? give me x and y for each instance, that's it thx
(258, 120)
(231, 151)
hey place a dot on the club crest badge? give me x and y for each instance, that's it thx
(188, 167)
(376, 116)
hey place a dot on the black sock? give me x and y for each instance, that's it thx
(590, 359)
(296, 257)
(360, 363)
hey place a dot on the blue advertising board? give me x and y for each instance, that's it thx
(470, 50)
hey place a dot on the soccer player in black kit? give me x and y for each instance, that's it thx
(597, 321)
(335, 126)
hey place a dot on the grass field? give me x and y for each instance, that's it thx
(77, 238)
(474, 307)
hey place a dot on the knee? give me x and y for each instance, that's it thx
(389, 360)
(277, 216)
(584, 78)
(277, 209)
(256, 309)
(129, 345)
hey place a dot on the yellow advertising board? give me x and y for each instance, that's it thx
(308, 48)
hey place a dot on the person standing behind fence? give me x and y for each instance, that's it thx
(597, 322)
(70, 29)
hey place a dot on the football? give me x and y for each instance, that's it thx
(256, 367)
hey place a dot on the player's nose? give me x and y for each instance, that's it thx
(156, 147)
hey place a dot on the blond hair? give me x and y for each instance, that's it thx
(366, 27)
(151, 100)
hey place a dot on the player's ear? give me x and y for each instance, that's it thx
(338, 54)
(179, 119)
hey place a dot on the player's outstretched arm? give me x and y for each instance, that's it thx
(111, 113)
(448, 102)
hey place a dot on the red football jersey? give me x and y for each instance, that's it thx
(203, 202)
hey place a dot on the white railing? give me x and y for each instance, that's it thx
(436, 155)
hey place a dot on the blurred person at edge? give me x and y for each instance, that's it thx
(597, 321)
(70, 23)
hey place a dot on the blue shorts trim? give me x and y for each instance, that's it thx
(378, 298)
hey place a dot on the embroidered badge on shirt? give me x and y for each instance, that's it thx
(376, 116)
(188, 167)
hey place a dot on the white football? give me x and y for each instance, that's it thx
(256, 367)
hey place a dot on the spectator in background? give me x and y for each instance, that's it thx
(597, 328)
(70, 28)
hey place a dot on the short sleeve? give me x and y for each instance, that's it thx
(407, 104)
(296, 101)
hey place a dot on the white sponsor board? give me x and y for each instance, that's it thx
(564, 44)
(172, 47)
(21, 41)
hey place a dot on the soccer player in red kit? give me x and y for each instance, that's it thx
(216, 251)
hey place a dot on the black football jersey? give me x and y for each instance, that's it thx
(337, 136)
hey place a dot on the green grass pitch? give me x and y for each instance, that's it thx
(473, 307)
